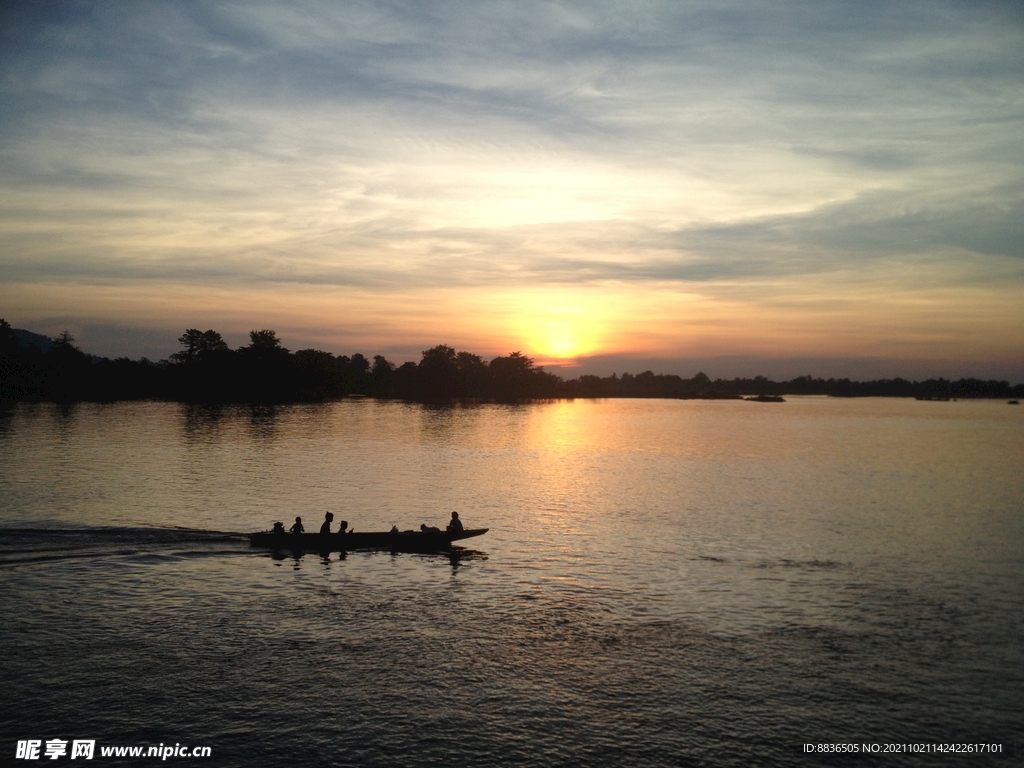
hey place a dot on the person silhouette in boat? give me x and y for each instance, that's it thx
(279, 528)
(325, 529)
(344, 528)
(297, 528)
(455, 526)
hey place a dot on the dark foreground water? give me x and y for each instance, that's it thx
(664, 583)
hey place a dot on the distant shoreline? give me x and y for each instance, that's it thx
(36, 368)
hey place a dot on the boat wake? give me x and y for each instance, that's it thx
(29, 546)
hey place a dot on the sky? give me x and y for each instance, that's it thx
(824, 188)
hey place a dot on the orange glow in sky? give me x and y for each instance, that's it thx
(590, 187)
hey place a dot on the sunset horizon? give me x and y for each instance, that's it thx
(835, 191)
(512, 383)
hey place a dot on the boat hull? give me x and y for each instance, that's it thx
(334, 542)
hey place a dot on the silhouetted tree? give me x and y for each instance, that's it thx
(190, 340)
(438, 373)
(358, 374)
(68, 370)
(472, 375)
(212, 342)
(515, 378)
(406, 381)
(198, 345)
(317, 376)
(268, 370)
(264, 345)
(16, 375)
(8, 341)
(382, 382)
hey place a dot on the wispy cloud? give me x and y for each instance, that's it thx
(506, 147)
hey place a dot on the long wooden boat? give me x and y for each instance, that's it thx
(414, 541)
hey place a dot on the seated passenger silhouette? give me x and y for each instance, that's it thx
(326, 527)
(279, 529)
(344, 528)
(297, 528)
(455, 526)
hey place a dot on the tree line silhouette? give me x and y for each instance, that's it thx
(206, 369)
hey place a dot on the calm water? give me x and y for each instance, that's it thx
(664, 582)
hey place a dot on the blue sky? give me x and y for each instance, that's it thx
(785, 188)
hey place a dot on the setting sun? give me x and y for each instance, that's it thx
(563, 340)
(557, 326)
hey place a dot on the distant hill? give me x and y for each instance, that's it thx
(30, 339)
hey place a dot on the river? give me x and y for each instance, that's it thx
(663, 583)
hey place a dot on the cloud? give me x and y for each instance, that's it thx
(745, 149)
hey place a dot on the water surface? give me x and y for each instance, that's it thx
(664, 582)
